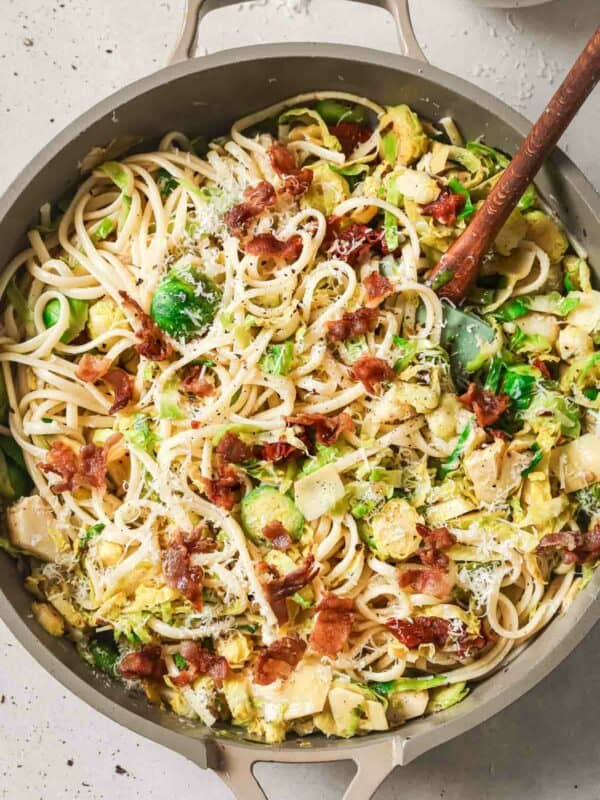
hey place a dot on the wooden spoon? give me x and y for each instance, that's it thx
(458, 268)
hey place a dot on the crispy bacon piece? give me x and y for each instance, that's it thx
(442, 633)
(435, 581)
(352, 323)
(377, 287)
(256, 199)
(269, 246)
(576, 547)
(332, 625)
(200, 662)
(295, 181)
(350, 135)
(179, 573)
(279, 451)
(153, 344)
(371, 371)
(147, 662)
(327, 430)
(277, 535)
(353, 243)
(224, 490)
(436, 540)
(279, 660)
(91, 368)
(279, 588)
(543, 368)
(199, 540)
(487, 406)
(194, 382)
(446, 208)
(86, 468)
(233, 450)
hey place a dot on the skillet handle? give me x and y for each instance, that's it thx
(196, 10)
(374, 762)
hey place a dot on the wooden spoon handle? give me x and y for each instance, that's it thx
(458, 268)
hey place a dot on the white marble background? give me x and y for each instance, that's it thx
(58, 57)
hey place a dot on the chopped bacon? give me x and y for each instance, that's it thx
(86, 468)
(279, 451)
(179, 573)
(223, 490)
(195, 383)
(576, 547)
(199, 540)
(434, 581)
(256, 199)
(353, 243)
(279, 660)
(442, 633)
(446, 208)
(350, 135)
(436, 540)
(233, 450)
(279, 588)
(378, 287)
(277, 535)
(91, 368)
(267, 245)
(352, 323)
(487, 406)
(200, 662)
(543, 368)
(298, 183)
(332, 625)
(147, 662)
(295, 181)
(153, 344)
(327, 429)
(370, 371)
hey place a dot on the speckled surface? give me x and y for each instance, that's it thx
(56, 59)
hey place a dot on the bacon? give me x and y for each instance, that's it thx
(487, 406)
(446, 207)
(198, 540)
(377, 287)
(279, 451)
(256, 199)
(435, 581)
(233, 450)
(277, 535)
(350, 135)
(436, 540)
(576, 547)
(442, 633)
(223, 490)
(153, 344)
(279, 660)
(144, 663)
(200, 662)
(179, 573)
(352, 323)
(86, 468)
(91, 368)
(268, 246)
(370, 371)
(295, 181)
(194, 382)
(333, 625)
(543, 368)
(279, 588)
(298, 183)
(353, 243)
(327, 429)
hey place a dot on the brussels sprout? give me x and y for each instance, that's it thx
(393, 533)
(326, 191)
(407, 142)
(264, 505)
(332, 111)
(103, 315)
(514, 230)
(544, 231)
(77, 319)
(185, 302)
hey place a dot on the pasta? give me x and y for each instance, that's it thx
(253, 462)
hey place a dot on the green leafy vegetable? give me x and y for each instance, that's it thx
(390, 221)
(180, 661)
(78, 310)
(103, 229)
(519, 383)
(453, 461)
(521, 342)
(389, 147)
(492, 381)
(310, 115)
(185, 302)
(166, 182)
(297, 598)
(105, 656)
(168, 404)
(119, 175)
(463, 336)
(484, 151)
(141, 434)
(278, 358)
(324, 454)
(458, 188)
(513, 309)
(537, 457)
(407, 352)
(18, 301)
(333, 111)
(528, 198)
(352, 173)
(90, 533)
(409, 684)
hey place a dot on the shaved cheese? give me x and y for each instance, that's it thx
(317, 493)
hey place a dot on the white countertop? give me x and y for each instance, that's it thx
(57, 57)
